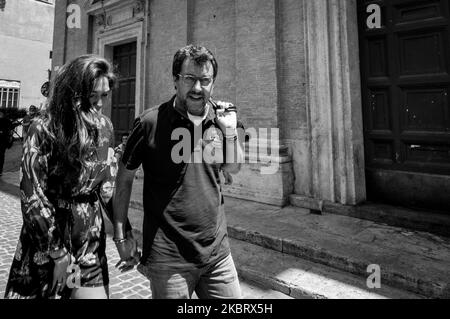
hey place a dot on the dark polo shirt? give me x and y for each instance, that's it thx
(184, 219)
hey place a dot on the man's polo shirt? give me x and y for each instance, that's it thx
(184, 219)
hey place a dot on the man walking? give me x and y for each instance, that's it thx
(185, 241)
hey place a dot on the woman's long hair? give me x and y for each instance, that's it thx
(72, 119)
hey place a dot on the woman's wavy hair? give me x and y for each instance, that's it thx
(71, 117)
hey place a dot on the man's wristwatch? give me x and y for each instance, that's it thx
(230, 134)
(119, 240)
(231, 138)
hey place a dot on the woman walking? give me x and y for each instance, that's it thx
(66, 177)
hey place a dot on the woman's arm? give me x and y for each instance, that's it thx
(38, 212)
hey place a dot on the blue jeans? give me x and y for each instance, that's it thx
(179, 281)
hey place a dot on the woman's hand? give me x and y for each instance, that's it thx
(60, 272)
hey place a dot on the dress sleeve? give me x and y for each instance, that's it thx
(111, 167)
(38, 212)
(108, 184)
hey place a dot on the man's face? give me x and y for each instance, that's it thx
(193, 97)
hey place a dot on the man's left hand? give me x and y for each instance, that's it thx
(128, 253)
(226, 117)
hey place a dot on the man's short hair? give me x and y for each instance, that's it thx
(199, 54)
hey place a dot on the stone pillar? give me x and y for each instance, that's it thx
(335, 101)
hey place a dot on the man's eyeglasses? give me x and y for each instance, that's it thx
(190, 80)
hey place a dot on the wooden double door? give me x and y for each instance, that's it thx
(405, 68)
(124, 96)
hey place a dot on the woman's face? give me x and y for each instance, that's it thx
(99, 95)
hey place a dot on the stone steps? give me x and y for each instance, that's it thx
(409, 260)
(429, 221)
(302, 279)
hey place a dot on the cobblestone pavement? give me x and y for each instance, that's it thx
(10, 224)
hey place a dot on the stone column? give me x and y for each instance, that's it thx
(335, 101)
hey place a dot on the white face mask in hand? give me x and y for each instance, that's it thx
(226, 116)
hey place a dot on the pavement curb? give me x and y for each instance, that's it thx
(276, 284)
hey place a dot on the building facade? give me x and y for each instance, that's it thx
(26, 39)
(353, 94)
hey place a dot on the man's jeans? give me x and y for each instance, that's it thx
(215, 281)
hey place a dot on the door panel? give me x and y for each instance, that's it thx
(123, 100)
(421, 52)
(405, 69)
(410, 12)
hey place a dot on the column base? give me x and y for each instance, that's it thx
(274, 188)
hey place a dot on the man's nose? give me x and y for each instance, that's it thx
(197, 86)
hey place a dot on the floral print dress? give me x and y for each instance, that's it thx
(50, 222)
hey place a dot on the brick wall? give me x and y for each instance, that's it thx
(212, 24)
(256, 62)
(168, 23)
(292, 68)
(292, 89)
